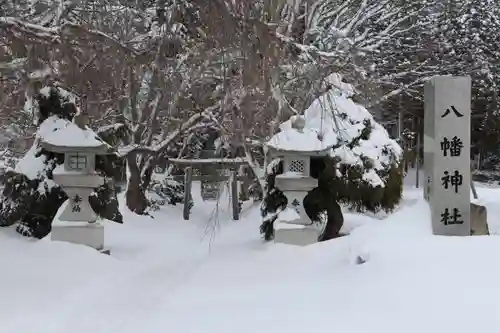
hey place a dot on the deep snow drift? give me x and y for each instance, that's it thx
(170, 275)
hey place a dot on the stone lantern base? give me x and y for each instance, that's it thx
(84, 233)
(295, 234)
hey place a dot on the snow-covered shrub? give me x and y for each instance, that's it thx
(169, 190)
(30, 197)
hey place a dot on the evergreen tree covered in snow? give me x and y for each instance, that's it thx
(30, 197)
(463, 40)
(361, 171)
(480, 51)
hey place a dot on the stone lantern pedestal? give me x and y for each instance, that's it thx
(77, 221)
(293, 226)
(296, 187)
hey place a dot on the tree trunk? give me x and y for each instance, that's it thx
(319, 201)
(136, 195)
(334, 222)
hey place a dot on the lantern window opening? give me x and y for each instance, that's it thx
(298, 166)
(77, 162)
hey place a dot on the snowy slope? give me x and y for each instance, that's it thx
(170, 275)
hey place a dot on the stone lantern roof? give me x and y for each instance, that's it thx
(76, 136)
(299, 140)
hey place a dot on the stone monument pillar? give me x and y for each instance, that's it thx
(447, 154)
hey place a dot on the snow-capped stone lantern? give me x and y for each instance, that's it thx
(295, 146)
(76, 222)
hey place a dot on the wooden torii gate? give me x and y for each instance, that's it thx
(232, 164)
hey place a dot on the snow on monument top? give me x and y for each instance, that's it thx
(298, 138)
(68, 134)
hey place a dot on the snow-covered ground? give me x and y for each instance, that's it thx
(170, 275)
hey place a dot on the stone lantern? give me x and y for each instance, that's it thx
(295, 146)
(78, 178)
